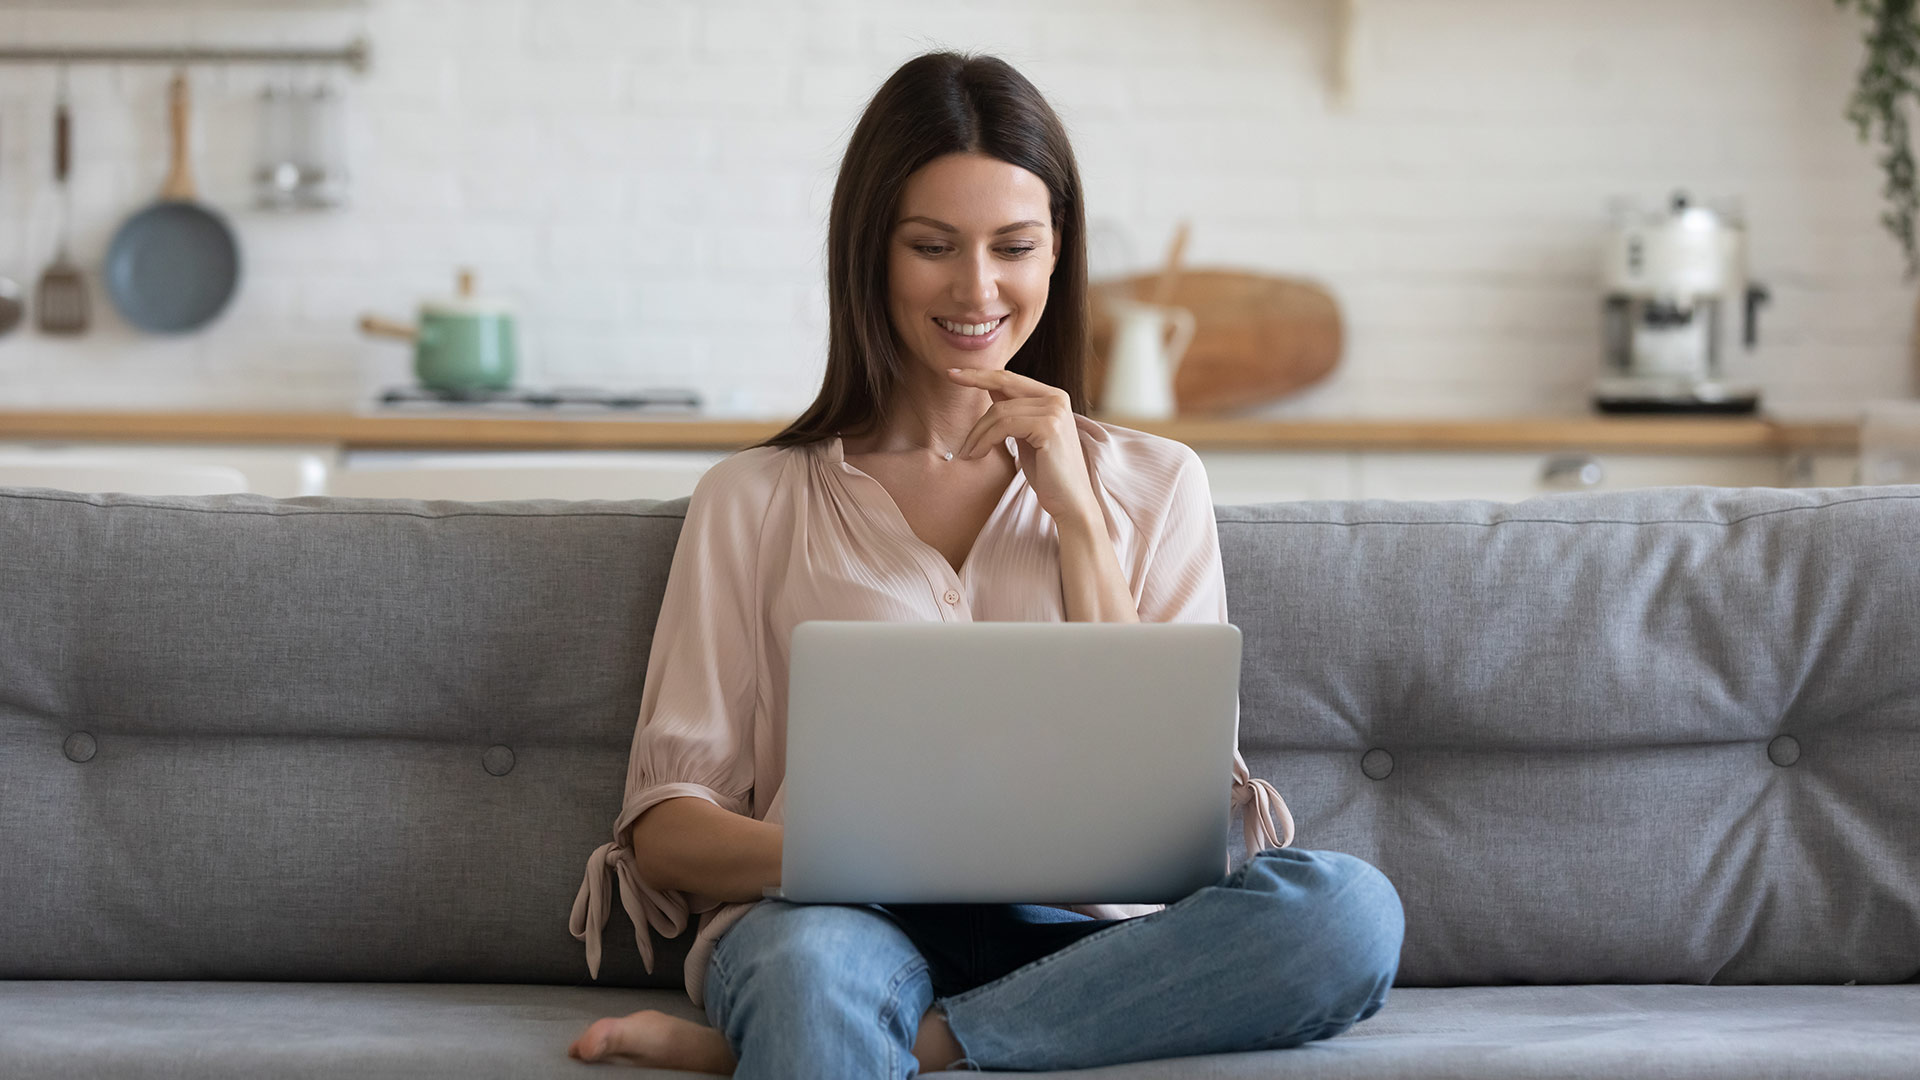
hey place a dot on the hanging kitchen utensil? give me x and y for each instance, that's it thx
(173, 266)
(276, 172)
(60, 300)
(11, 307)
(323, 148)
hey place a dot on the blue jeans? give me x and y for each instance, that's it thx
(1291, 947)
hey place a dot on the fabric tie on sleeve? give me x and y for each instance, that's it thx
(1265, 821)
(608, 863)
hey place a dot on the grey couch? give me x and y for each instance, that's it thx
(304, 787)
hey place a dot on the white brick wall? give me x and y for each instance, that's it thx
(648, 180)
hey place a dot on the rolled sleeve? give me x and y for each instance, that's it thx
(694, 735)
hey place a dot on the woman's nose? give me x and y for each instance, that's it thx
(977, 280)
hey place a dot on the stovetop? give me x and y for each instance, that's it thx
(529, 399)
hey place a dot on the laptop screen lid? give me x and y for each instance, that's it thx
(1008, 762)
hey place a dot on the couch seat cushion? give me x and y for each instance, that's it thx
(297, 1030)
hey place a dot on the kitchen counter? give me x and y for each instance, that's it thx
(492, 431)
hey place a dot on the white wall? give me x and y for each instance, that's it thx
(649, 182)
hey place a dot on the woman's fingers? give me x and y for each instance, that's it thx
(999, 421)
(1022, 406)
(980, 427)
(1005, 384)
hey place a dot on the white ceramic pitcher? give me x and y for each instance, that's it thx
(1143, 358)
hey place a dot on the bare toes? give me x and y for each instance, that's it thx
(595, 1042)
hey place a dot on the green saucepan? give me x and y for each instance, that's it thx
(461, 345)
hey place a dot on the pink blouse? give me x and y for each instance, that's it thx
(778, 535)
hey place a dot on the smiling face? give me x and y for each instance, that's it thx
(972, 250)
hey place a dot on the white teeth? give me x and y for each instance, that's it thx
(970, 329)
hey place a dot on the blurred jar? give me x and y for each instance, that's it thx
(276, 171)
(302, 147)
(324, 168)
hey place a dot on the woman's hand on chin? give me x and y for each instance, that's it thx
(1041, 418)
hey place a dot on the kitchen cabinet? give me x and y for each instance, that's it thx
(1247, 460)
(1235, 477)
(1238, 478)
(1511, 477)
(562, 474)
(1811, 468)
(278, 471)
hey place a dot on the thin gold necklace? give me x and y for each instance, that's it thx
(947, 455)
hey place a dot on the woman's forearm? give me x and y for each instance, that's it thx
(1091, 582)
(691, 845)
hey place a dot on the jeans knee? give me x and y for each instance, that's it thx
(1357, 916)
(812, 946)
(818, 990)
(1378, 926)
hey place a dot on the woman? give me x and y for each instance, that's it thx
(946, 471)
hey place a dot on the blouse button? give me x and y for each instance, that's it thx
(952, 597)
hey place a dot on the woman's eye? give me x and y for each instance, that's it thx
(930, 249)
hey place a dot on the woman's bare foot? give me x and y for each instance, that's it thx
(652, 1038)
(935, 1046)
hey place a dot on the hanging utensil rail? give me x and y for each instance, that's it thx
(353, 55)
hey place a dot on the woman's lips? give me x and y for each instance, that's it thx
(981, 341)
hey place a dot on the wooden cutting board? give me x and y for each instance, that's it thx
(1256, 338)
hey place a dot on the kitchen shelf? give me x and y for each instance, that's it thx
(354, 55)
(360, 431)
(187, 5)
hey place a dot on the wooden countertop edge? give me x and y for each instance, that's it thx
(364, 432)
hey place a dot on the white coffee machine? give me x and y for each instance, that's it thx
(1677, 288)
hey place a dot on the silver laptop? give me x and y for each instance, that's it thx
(1008, 762)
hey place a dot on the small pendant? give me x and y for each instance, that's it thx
(949, 455)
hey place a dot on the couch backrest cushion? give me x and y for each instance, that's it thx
(1654, 736)
(318, 738)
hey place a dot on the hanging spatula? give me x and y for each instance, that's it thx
(60, 301)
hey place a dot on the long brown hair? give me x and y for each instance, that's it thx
(936, 104)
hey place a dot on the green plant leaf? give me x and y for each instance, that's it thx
(1879, 105)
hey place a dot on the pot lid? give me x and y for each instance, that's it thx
(466, 303)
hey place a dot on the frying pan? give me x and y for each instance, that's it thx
(173, 266)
